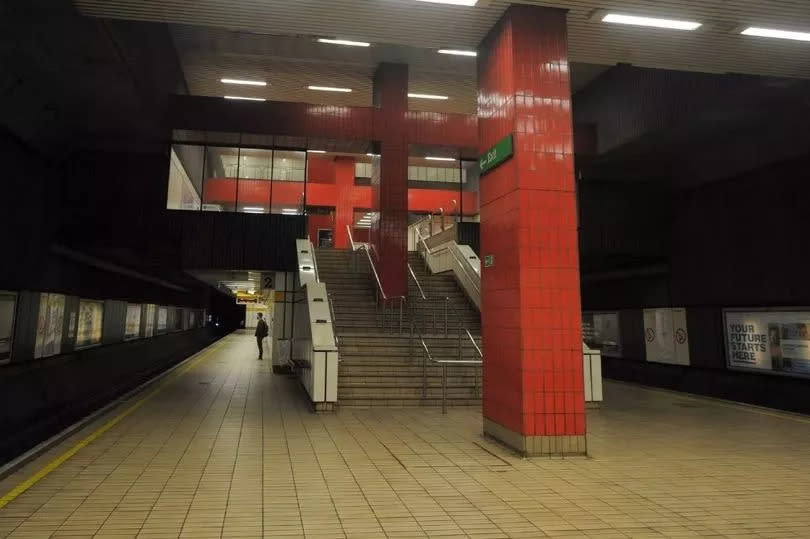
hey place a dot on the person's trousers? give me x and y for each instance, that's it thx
(259, 343)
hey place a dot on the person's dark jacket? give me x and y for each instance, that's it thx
(261, 329)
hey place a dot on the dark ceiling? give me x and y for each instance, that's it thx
(70, 82)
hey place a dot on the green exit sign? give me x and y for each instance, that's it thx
(496, 155)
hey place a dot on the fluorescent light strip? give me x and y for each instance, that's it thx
(635, 20)
(245, 82)
(427, 96)
(328, 89)
(457, 52)
(440, 158)
(452, 2)
(316, 151)
(344, 42)
(253, 208)
(252, 211)
(286, 211)
(778, 34)
(245, 98)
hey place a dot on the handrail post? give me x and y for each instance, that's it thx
(401, 304)
(446, 302)
(444, 388)
(424, 374)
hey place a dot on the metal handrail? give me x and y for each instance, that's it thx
(476, 282)
(419, 286)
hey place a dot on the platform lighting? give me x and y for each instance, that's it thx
(452, 2)
(328, 89)
(245, 82)
(288, 211)
(245, 98)
(457, 52)
(316, 151)
(634, 20)
(253, 208)
(344, 42)
(778, 34)
(253, 211)
(427, 96)
(440, 158)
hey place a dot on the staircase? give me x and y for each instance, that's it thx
(380, 368)
(461, 312)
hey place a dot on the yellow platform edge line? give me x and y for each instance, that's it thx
(61, 459)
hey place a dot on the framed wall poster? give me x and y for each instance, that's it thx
(769, 341)
(162, 319)
(133, 324)
(90, 323)
(49, 325)
(8, 310)
(602, 331)
(149, 312)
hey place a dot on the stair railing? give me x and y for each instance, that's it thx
(382, 300)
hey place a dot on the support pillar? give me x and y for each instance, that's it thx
(389, 182)
(531, 315)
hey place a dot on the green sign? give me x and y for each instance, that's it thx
(496, 155)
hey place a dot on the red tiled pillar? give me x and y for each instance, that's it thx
(533, 380)
(344, 205)
(389, 180)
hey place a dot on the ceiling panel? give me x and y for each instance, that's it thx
(714, 48)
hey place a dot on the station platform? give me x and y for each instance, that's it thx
(221, 447)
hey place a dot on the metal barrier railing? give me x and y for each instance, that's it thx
(388, 304)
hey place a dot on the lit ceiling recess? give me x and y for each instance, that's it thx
(439, 159)
(452, 2)
(289, 211)
(774, 33)
(253, 209)
(244, 82)
(347, 42)
(427, 96)
(316, 151)
(457, 52)
(245, 98)
(328, 89)
(637, 20)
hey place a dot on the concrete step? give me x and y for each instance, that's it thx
(406, 403)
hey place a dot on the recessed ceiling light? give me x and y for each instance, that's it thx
(635, 20)
(457, 52)
(253, 208)
(245, 98)
(427, 96)
(328, 89)
(778, 34)
(245, 82)
(453, 2)
(439, 158)
(252, 211)
(316, 151)
(344, 42)
(288, 211)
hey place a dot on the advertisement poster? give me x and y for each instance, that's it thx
(91, 318)
(666, 337)
(133, 327)
(768, 341)
(602, 331)
(49, 325)
(8, 303)
(149, 320)
(162, 319)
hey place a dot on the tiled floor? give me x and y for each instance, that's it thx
(226, 449)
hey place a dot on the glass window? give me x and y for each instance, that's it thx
(8, 306)
(220, 178)
(90, 322)
(133, 327)
(162, 319)
(49, 325)
(185, 177)
(288, 191)
(255, 172)
(149, 320)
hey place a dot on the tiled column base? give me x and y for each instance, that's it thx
(536, 446)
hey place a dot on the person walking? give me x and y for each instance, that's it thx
(261, 333)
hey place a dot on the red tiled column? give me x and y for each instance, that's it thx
(344, 205)
(533, 380)
(390, 178)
